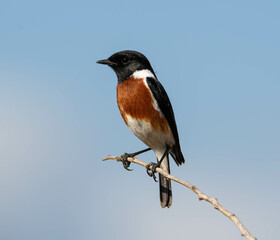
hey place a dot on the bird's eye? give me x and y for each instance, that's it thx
(124, 60)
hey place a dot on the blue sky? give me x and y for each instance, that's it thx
(218, 61)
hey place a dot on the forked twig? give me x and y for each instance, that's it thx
(201, 195)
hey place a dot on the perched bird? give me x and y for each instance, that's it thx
(147, 111)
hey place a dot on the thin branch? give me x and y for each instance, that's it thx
(201, 195)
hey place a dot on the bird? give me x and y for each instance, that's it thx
(147, 111)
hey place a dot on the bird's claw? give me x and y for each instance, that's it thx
(151, 170)
(125, 162)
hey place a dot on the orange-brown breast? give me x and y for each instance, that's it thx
(134, 99)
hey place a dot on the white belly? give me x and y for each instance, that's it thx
(156, 140)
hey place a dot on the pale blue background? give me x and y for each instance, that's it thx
(219, 62)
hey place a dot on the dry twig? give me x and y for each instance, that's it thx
(201, 196)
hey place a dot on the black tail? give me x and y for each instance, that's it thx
(165, 189)
(165, 192)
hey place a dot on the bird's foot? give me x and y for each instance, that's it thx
(125, 162)
(151, 170)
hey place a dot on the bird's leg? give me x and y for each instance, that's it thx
(124, 157)
(151, 167)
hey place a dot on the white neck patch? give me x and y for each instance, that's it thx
(143, 74)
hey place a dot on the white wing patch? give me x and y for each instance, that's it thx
(155, 103)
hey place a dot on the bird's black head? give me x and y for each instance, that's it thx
(125, 63)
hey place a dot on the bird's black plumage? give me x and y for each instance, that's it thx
(166, 108)
(125, 63)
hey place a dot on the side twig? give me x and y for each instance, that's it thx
(201, 196)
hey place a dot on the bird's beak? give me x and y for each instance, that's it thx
(106, 62)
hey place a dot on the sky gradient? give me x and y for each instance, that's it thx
(219, 63)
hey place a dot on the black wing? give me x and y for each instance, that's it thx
(165, 106)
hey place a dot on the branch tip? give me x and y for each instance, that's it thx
(109, 157)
